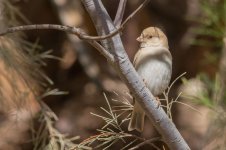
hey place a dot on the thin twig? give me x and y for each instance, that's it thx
(102, 50)
(120, 13)
(142, 5)
(175, 81)
(145, 142)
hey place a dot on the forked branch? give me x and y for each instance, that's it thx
(126, 71)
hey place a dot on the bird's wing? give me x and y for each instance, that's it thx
(137, 58)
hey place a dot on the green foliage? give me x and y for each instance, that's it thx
(207, 96)
(211, 32)
(213, 22)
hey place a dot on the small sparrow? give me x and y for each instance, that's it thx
(153, 62)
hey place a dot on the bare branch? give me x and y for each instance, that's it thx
(72, 30)
(68, 29)
(120, 13)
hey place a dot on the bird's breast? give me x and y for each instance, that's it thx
(156, 70)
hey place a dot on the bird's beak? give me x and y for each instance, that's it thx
(139, 39)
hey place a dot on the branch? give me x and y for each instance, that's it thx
(71, 30)
(126, 71)
(120, 13)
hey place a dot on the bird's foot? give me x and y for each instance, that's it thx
(158, 100)
(145, 82)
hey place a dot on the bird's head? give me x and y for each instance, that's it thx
(153, 37)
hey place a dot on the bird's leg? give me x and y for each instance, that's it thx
(145, 82)
(156, 98)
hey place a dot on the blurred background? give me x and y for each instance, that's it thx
(195, 30)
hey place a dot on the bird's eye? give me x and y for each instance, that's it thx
(150, 36)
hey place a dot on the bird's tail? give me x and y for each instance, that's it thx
(137, 118)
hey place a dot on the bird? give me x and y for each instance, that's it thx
(153, 63)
